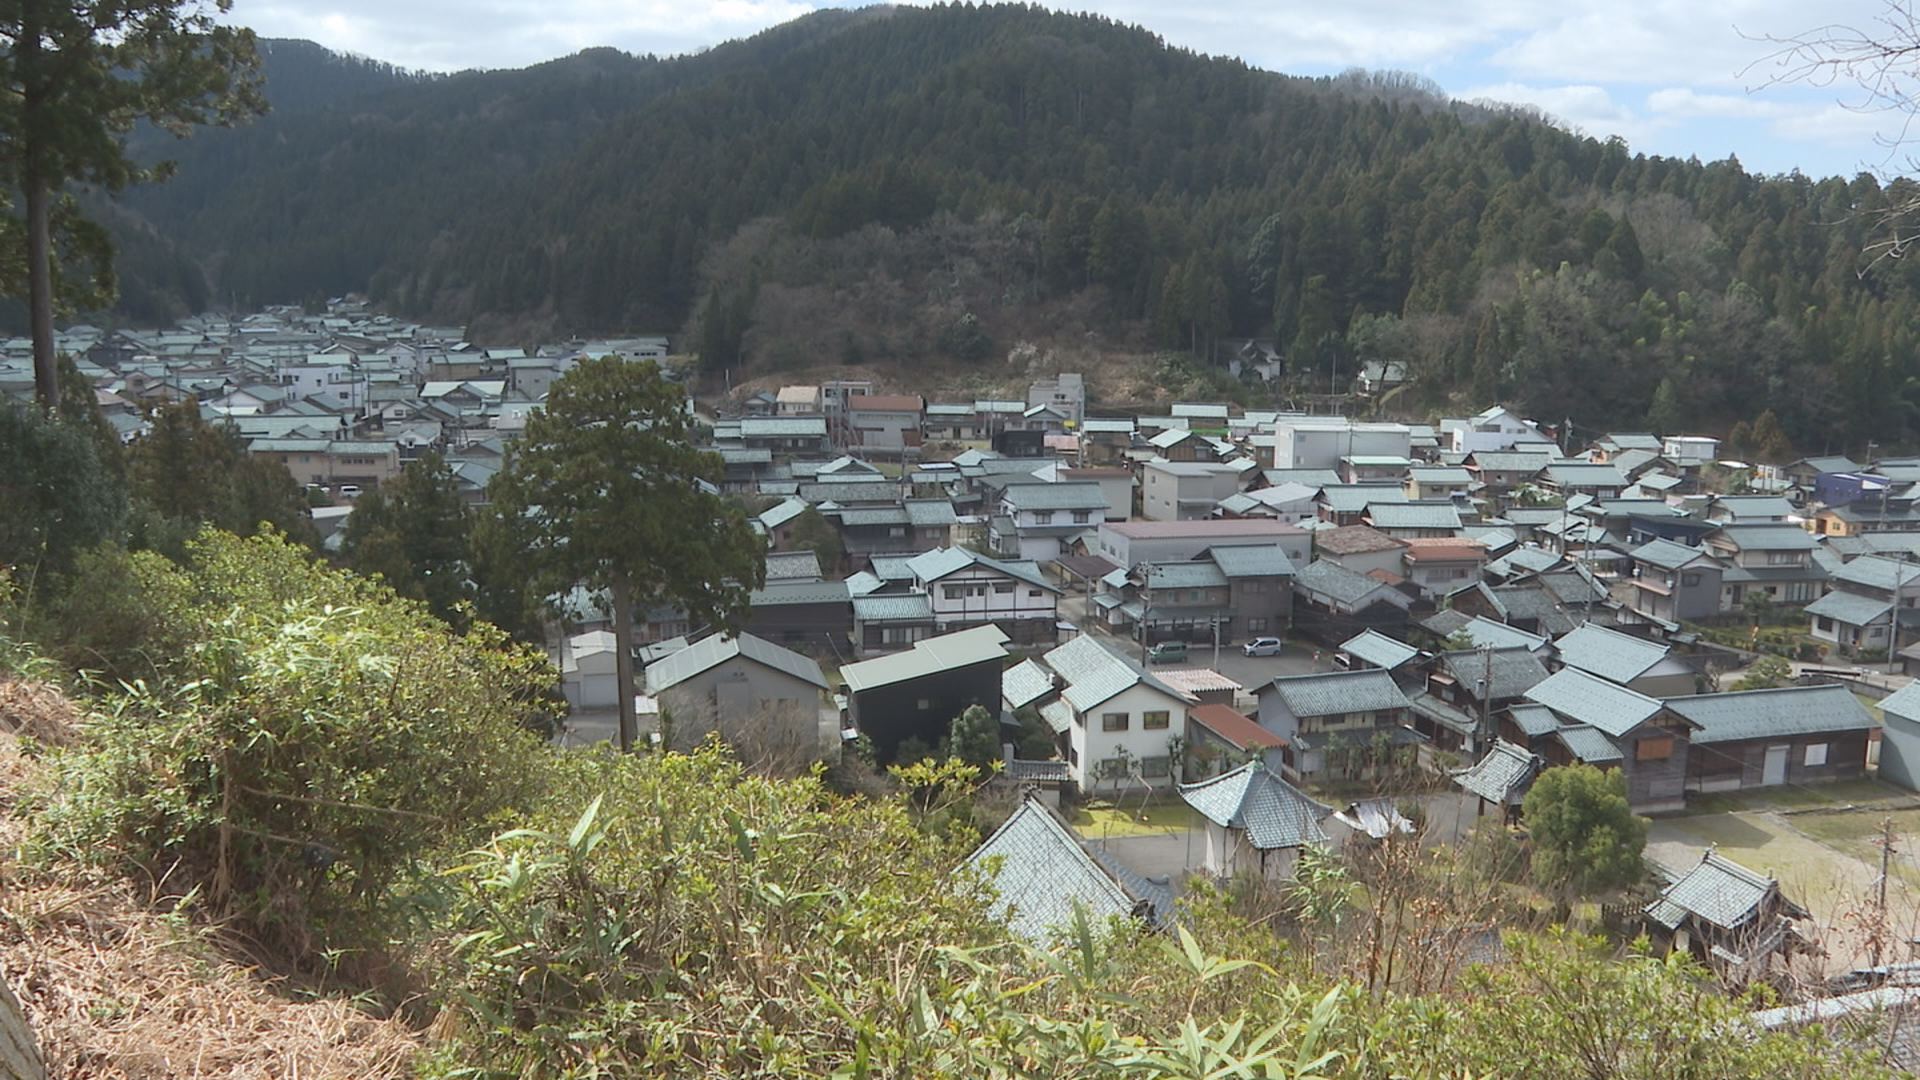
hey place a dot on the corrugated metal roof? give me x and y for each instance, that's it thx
(1041, 874)
(1782, 712)
(1335, 692)
(1234, 727)
(710, 652)
(911, 607)
(1717, 891)
(1581, 698)
(1273, 813)
(1414, 516)
(928, 657)
(1609, 653)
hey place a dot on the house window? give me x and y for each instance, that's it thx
(1690, 579)
(1256, 626)
(1033, 594)
(1080, 517)
(1003, 588)
(1816, 754)
(955, 592)
(1783, 558)
(1155, 721)
(1153, 767)
(1384, 716)
(924, 705)
(1113, 721)
(1821, 622)
(897, 531)
(1113, 767)
(1043, 517)
(1073, 757)
(1656, 749)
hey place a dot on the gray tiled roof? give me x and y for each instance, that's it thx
(1354, 498)
(1414, 516)
(1588, 744)
(872, 516)
(1717, 891)
(1878, 572)
(1313, 478)
(1273, 813)
(1378, 649)
(1608, 653)
(1503, 775)
(1041, 873)
(1334, 692)
(1581, 698)
(1068, 496)
(1252, 560)
(1904, 702)
(1850, 608)
(1445, 714)
(1185, 575)
(930, 513)
(779, 593)
(782, 426)
(1783, 712)
(1484, 631)
(910, 607)
(1345, 586)
(1585, 474)
(1665, 554)
(1516, 670)
(1534, 720)
(1767, 537)
(933, 565)
(791, 565)
(1094, 673)
(1025, 683)
(710, 652)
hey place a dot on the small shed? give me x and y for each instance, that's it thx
(1734, 919)
(1501, 778)
(1257, 823)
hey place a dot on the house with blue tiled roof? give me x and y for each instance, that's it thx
(1605, 724)
(1044, 876)
(1337, 722)
(1735, 920)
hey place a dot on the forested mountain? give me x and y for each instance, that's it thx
(1024, 167)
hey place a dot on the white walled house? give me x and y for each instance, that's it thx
(1256, 823)
(587, 676)
(1493, 430)
(1043, 515)
(332, 379)
(1689, 451)
(1319, 442)
(1118, 721)
(966, 589)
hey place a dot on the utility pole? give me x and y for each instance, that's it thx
(1216, 643)
(1878, 940)
(1486, 699)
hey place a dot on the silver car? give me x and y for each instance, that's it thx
(1263, 646)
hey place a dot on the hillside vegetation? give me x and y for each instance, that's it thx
(316, 780)
(1083, 178)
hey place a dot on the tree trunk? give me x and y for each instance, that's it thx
(19, 1056)
(622, 591)
(46, 373)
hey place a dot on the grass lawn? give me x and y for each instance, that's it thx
(1857, 834)
(1848, 792)
(1099, 819)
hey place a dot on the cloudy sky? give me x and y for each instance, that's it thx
(1671, 77)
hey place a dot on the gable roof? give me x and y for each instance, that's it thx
(793, 565)
(1068, 496)
(1717, 891)
(1483, 631)
(1354, 540)
(1025, 683)
(1345, 586)
(1667, 554)
(1503, 775)
(1412, 515)
(1588, 744)
(1581, 698)
(1041, 872)
(1768, 536)
(962, 648)
(1251, 560)
(1095, 674)
(1877, 572)
(1239, 731)
(712, 651)
(1782, 712)
(1516, 669)
(931, 566)
(1378, 649)
(1609, 654)
(1273, 813)
(1330, 693)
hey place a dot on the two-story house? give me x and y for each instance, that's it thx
(1773, 561)
(1414, 520)
(884, 423)
(1119, 726)
(1871, 596)
(1184, 490)
(1570, 478)
(1467, 688)
(910, 526)
(1043, 515)
(1336, 724)
(1442, 567)
(1674, 582)
(965, 589)
(1607, 725)
(1438, 482)
(1636, 663)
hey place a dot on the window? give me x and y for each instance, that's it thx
(1080, 517)
(1155, 721)
(1256, 626)
(924, 705)
(1113, 768)
(1003, 588)
(1043, 517)
(1113, 721)
(897, 531)
(1384, 716)
(1821, 622)
(1156, 766)
(1816, 754)
(1659, 748)
(1690, 579)
(1783, 558)
(1033, 594)
(954, 592)
(1073, 756)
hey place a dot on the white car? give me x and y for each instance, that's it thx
(1262, 646)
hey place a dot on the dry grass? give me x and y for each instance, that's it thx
(116, 989)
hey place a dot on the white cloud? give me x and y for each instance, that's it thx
(1587, 108)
